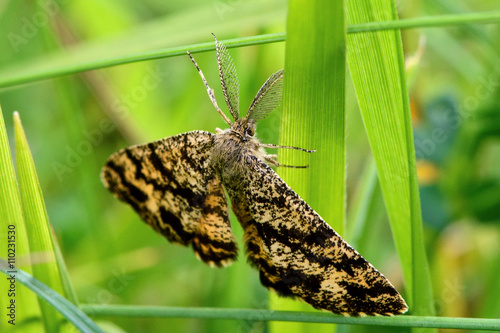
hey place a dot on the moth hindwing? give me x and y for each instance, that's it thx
(176, 186)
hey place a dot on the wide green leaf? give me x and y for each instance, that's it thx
(377, 69)
(313, 114)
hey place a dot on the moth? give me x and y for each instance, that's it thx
(176, 185)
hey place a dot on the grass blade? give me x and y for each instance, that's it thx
(290, 316)
(360, 210)
(45, 266)
(377, 68)
(26, 305)
(61, 64)
(313, 114)
(313, 109)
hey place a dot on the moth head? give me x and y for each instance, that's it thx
(243, 128)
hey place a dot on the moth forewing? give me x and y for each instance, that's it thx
(172, 187)
(228, 78)
(268, 97)
(299, 254)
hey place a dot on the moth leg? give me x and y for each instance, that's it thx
(214, 241)
(271, 159)
(272, 156)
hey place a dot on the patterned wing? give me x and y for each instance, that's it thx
(170, 184)
(299, 254)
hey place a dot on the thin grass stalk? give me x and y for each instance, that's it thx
(59, 65)
(290, 316)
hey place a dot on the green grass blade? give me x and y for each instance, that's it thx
(11, 215)
(428, 22)
(45, 266)
(423, 298)
(290, 316)
(62, 64)
(63, 306)
(313, 109)
(313, 114)
(35, 71)
(67, 286)
(360, 209)
(490, 307)
(377, 68)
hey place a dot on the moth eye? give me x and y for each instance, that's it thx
(250, 130)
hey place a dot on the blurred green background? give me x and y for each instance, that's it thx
(74, 123)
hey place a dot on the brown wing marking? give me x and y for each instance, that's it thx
(299, 254)
(167, 183)
(214, 241)
(257, 254)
